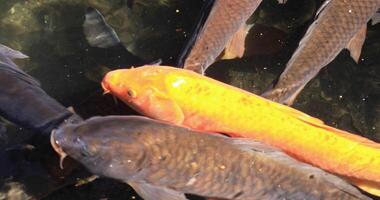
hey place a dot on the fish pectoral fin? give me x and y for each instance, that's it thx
(356, 43)
(151, 192)
(236, 46)
(164, 108)
(98, 33)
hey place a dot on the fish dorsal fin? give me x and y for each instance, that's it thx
(151, 192)
(320, 124)
(356, 43)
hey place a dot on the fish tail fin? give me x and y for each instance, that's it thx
(98, 33)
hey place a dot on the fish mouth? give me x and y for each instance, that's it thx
(55, 144)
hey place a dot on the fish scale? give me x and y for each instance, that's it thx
(152, 148)
(225, 19)
(336, 24)
(236, 112)
(218, 174)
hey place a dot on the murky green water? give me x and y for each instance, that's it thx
(345, 94)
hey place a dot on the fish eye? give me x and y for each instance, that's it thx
(131, 93)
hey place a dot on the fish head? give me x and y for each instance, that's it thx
(134, 86)
(106, 146)
(146, 89)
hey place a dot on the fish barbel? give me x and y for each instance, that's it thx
(189, 99)
(163, 162)
(340, 24)
(224, 28)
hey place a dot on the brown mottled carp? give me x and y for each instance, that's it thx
(340, 24)
(162, 161)
(224, 28)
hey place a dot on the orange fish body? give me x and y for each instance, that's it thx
(195, 101)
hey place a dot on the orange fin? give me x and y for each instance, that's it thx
(164, 108)
(236, 46)
(370, 187)
(356, 43)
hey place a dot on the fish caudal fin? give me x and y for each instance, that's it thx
(98, 33)
(151, 192)
(356, 43)
(236, 46)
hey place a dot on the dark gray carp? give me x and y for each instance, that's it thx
(163, 162)
(23, 102)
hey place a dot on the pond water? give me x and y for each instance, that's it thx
(344, 94)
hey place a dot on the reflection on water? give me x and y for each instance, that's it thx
(344, 94)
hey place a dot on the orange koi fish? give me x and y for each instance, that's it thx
(189, 99)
